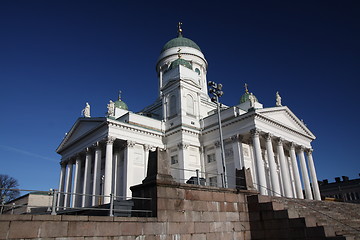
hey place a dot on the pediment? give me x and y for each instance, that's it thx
(82, 127)
(285, 117)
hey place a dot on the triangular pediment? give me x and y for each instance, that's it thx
(82, 127)
(284, 116)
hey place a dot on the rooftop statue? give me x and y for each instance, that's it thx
(111, 109)
(86, 111)
(252, 100)
(278, 100)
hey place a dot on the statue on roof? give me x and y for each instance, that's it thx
(86, 111)
(111, 109)
(252, 100)
(278, 99)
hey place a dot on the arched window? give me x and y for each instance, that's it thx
(190, 105)
(172, 106)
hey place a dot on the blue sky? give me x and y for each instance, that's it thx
(57, 55)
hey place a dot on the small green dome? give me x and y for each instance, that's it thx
(180, 41)
(120, 104)
(245, 97)
(180, 61)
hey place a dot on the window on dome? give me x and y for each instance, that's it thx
(190, 105)
(197, 71)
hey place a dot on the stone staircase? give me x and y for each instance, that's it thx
(283, 218)
(343, 217)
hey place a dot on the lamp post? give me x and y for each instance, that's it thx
(215, 90)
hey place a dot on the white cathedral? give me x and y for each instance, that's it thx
(107, 155)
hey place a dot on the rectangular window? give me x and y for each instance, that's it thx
(174, 159)
(213, 181)
(211, 158)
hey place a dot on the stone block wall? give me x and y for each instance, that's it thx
(184, 212)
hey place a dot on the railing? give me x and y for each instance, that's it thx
(55, 207)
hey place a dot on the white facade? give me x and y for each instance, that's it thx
(108, 155)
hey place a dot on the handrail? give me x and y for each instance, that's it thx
(55, 208)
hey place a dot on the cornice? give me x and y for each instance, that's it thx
(66, 139)
(290, 114)
(136, 128)
(182, 128)
(281, 126)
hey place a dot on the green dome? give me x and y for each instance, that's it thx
(120, 104)
(180, 61)
(180, 41)
(245, 97)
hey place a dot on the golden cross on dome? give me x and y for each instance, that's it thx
(179, 29)
(119, 98)
(246, 88)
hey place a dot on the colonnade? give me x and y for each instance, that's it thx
(89, 177)
(277, 172)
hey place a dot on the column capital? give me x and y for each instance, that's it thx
(130, 144)
(88, 150)
(97, 145)
(292, 145)
(237, 138)
(62, 163)
(280, 141)
(309, 150)
(110, 140)
(255, 132)
(183, 145)
(269, 136)
(217, 144)
(147, 147)
(69, 161)
(301, 148)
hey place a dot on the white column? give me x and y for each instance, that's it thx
(68, 183)
(160, 80)
(164, 106)
(108, 169)
(182, 157)
(60, 200)
(147, 148)
(260, 168)
(284, 170)
(202, 161)
(314, 180)
(128, 166)
(298, 187)
(238, 151)
(97, 175)
(116, 174)
(305, 174)
(272, 165)
(77, 176)
(86, 199)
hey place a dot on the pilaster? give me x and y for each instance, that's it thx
(108, 168)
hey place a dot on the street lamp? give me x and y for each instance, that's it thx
(215, 90)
